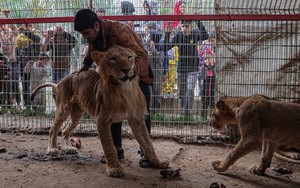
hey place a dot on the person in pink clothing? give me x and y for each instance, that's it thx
(208, 90)
(179, 9)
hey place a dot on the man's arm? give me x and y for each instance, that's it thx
(87, 61)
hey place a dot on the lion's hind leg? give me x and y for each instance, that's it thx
(76, 114)
(61, 115)
(267, 152)
(142, 136)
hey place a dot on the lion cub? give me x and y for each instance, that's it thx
(259, 119)
(111, 95)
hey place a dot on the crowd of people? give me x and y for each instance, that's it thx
(25, 55)
(176, 51)
(171, 54)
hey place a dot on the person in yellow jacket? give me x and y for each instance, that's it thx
(168, 85)
(27, 48)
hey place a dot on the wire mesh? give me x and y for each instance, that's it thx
(251, 57)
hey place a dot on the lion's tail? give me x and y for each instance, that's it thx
(36, 90)
(285, 158)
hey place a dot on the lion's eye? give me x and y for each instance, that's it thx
(130, 57)
(113, 59)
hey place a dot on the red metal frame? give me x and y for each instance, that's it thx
(225, 17)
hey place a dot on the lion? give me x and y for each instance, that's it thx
(288, 153)
(259, 119)
(111, 95)
(282, 152)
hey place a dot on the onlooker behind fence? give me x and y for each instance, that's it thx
(164, 7)
(127, 8)
(187, 41)
(156, 58)
(208, 90)
(100, 12)
(27, 48)
(8, 48)
(171, 56)
(179, 9)
(150, 7)
(209, 46)
(60, 44)
(5, 100)
(149, 27)
(38, 73)
(8, 39)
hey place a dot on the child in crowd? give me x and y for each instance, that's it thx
(38, 73)
(208, 77)
(207, 46)
(156, 58)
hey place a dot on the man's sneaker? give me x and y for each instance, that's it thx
(120, 156)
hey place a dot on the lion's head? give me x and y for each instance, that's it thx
(116, 64)
(222, 115)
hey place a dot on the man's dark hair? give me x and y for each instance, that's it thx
(85, 19)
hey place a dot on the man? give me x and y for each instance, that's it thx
(187, 41)
(8, 36)
(60, 43)
(103, 34)
(5, 71)
(27, 48)
(156, 58)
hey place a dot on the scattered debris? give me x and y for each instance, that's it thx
(21, 155)
(2, 150)
(282, 170)
(170, 173)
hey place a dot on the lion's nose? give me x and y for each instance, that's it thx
(125, 70)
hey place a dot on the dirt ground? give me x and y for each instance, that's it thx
(24, 163)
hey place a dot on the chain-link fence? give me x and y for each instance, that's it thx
(249, 56)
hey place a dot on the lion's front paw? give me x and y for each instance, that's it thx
(163, 164)
(114, 172)
(70, 150)
(52, 151)
(217, 165)
(257, 170)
